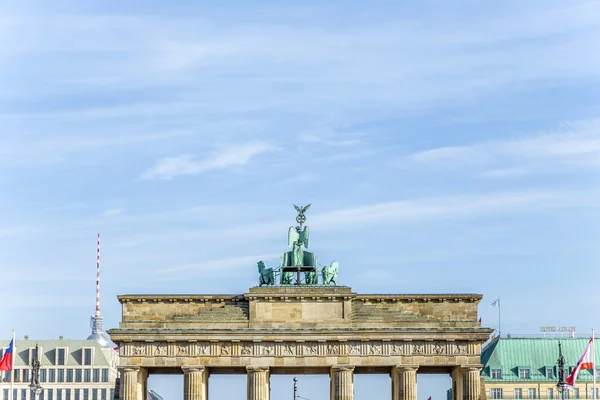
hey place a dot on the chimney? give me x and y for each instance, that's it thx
(26, 337)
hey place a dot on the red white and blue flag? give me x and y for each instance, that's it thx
(6, 364)
(585, 362)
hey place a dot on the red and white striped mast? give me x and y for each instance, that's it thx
(96, 320)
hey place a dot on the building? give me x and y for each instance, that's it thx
(526, 368)
(70, 370)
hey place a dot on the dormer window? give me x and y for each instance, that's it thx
(61, 356)
(87, 356)
(496, 373)
(31, 354)
(524, 373)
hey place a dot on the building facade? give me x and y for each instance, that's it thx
(526, 368)
(70, 370)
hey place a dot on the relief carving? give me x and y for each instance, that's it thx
(439, 348)
(419, 348)
(182, 350)
(160, 350)
(374, 349)
(354, 349)
(138, 350)
(203, 349)
(289, 349)
(460, 348)
(225, 349)
(333, 349)
(397, 348)
(310, 349)
(246, 349)
(268, 349)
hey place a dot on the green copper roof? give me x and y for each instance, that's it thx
(537, 354)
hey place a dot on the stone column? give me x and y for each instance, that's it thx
(195, 382)
(471, 381)
(129, 389)
(457, 383)
(404, 382)
(258, 383)
(342, 383)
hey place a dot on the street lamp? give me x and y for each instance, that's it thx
(35, 386)
(561, 386)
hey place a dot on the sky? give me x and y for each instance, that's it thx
(445, 147)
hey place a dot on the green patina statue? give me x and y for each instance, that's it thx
(298, 260)
(330, 273)
(267, 276)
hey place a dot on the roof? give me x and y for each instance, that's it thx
(510, 354)
(48, 356)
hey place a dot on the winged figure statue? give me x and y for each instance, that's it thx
(301, 218)
(298, 239)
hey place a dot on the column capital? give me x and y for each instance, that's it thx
(342, 368)
(128, 368)
(193, 368)
(471, 367)
(254, 368)
(406, 368)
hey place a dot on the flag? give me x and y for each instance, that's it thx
(6, 364)
(585, 362)
(116, 348)
(479, 320)
(495, 303)
(429, 398)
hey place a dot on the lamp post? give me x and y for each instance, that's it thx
(35, 386)
(561, 386)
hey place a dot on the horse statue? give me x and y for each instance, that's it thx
(266, 275)
(330, 273)
(310, 278)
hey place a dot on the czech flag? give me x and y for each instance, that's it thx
(6, 364)
(585, 362)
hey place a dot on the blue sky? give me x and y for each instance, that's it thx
(445, 147)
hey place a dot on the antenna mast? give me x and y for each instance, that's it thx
(96, 319)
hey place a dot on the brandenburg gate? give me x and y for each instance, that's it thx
(296, 327)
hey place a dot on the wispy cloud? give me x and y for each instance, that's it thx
(577, 142)
(188, 165)
(113, 211)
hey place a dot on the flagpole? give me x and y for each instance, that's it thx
(12, 371)
(499, 326)
(594, 366)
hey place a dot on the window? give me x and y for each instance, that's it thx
(518, 393)
(69, 375)
(61, 375)
(105, 375)
(25, 375)
(496, 393)
(23, 394)
(59, 395)
(51, 375)
(524, 373)
(87, 356)
(50, 394)
(576, 393)
(43, 373)
(94, 394)
(60, 356)
(77, 394)
(496, 373)
(103, 394)
(531, 394)
(86, 394)
(112, 394)
(7, 376)
(96, 375)
(549, 373)
(78, 374)
(5, 397)
(42, 394)
(87, 374)
(17, 375)
(68, 394)
(550, 393)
